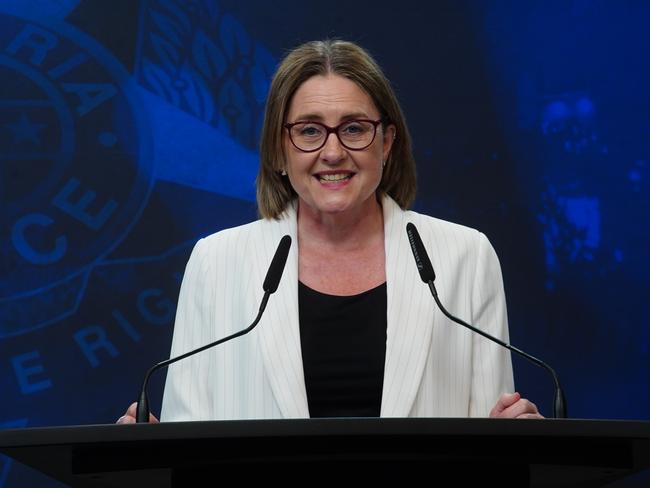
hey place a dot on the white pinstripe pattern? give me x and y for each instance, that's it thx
(434, 367)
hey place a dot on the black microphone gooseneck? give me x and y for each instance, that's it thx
(270, 285)
(428, 276)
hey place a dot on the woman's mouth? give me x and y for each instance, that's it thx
(334, 177)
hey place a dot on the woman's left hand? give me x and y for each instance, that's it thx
(512, 406)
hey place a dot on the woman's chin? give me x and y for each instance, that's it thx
(336, 207)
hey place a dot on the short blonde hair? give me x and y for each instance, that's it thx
(274, 192)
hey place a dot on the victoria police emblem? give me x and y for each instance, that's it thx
(75, 170)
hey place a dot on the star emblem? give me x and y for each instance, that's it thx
(26, 131)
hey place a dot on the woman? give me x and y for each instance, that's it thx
(351, 331)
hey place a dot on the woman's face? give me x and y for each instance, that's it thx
(334, 179)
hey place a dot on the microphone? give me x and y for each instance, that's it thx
(428, 276)
(271, 283)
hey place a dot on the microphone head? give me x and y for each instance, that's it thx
(273, 275)
(420, 254)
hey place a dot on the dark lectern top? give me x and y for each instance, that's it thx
(336, 452)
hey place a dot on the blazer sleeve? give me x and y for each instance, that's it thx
(182, 399)
(492, 372)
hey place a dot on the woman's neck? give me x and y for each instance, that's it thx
(341, 254)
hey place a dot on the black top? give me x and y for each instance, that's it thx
(343, 341)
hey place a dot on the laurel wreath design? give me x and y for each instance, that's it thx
(202, 60)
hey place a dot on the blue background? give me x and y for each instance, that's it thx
(134, 133)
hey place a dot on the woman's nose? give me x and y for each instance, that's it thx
(333, 151)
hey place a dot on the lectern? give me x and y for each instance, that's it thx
(337, 452)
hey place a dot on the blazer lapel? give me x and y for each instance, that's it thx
(279, 330)
(409, 316)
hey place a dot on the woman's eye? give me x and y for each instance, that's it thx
(353, 129)
(310, 131)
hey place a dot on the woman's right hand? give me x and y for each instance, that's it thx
(129, 416)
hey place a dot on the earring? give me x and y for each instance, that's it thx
(283, 172)
(383, 163)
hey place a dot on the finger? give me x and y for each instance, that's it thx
(131, 413)
(530, 416)
(132, 410)
(528, 406)
(126, 419)
(504, 402)
(522, 407)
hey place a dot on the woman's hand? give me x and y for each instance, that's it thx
(512, 406)
(129, 416)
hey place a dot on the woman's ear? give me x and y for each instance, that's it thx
(390, 133)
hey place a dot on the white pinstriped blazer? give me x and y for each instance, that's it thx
(434, 367)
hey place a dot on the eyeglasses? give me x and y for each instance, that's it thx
(356, 135)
